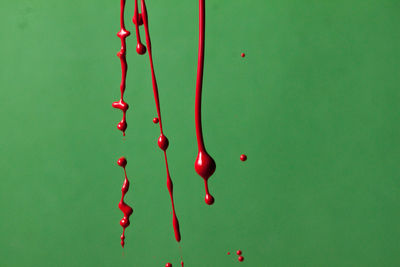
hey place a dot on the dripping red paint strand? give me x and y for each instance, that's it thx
(121, 104)
(125, 208)
(162, 140)
(204, 164)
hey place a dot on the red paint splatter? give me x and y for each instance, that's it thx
(121, 104)
(125, 208)
(204, 164)
(243, 157)
(240, 258)
(162, 140)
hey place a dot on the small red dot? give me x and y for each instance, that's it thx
(240, 258)
(243, 157)
(168, 265)
(229, 253)
(243, 55)
(155, 120)
(239, 252)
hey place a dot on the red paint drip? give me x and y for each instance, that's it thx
(168, 265)
(242, 55)
(239, 252)
(155, 120)
(140, 48)
(243, 157)
(181, 263)
(121, 104)
(125, 208)
(240, 258)
(204, 164)
(162, 140)
(229, 253)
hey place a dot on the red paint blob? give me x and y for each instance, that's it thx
(122, 34)
(242, 55)
(243, 157)
(239, 252)
(140, 49)
(125, 208)
(140, 19)
(240, 258)
(155, 120)
(162, 140)
(168, 265)
(204, 164)
(181, 263)
(229, 253)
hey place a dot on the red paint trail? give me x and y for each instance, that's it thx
(125, 208)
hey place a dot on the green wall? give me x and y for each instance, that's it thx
(314, 105)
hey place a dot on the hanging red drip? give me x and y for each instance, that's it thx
(162, 140)
(140, 48)
(125, 208)
(121, 104)
(204, 164)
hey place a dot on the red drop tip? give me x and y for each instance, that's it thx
(242, 55)
(243, 157)
(204, 165)
(209, 199)
(240, 258)
(155, 120)
(140, 49)
(163, 142)
(122, 244)
(122, 125)
(229, 253)
(140, 19)
(168, 265)
(239, 252)
(122, 162)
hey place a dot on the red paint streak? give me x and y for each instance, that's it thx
(125, 208)
(243, 157)
(121, 104)
(240, 258)
(181, 263)
(162, 140)
(140, 48)
(239, 252)
(168, 265)
(204, 164)
(155, 120)
(243, 55)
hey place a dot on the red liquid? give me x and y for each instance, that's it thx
(240, 258)
(243, 157)
(162, 140)
(125, 208)
(239, 252)
(121, 104)
(155, 120)
(140, 48)
(243, 55)
(181, 263)
(229, 253)
(204, 164)
(168, 265)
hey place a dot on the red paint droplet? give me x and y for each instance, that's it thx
(155, 120)
(168, 265)
(243, 157)
(163, 142)
(239, 252)
(243, 55)
(209, 199)
(140, 19)
(122, 162)
(240, 258)
(229, 253)
(140, 49)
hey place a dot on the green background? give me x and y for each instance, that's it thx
(314, 105)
